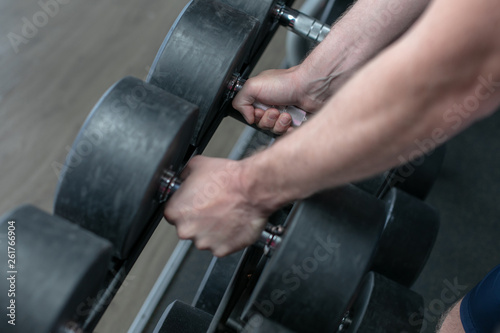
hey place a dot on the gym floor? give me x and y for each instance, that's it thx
(52, 76)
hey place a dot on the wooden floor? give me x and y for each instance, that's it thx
(52, 75)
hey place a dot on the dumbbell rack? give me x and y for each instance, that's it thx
(191, 123)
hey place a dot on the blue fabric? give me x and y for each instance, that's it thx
(480, 309)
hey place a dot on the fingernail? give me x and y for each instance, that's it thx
(285, 121)
(273, 116)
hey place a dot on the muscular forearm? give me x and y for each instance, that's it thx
(406, 93)
(368, 26)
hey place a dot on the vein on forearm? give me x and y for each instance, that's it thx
(360, 34)
(375, 118)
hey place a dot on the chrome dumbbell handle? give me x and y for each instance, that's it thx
(301, 24)
(269, 239)
(298, 115)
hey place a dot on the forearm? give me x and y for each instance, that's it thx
(367, 28)
(372, 123)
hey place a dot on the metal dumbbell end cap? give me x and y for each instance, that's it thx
(169, 184)
(346, 322)
(270, 239)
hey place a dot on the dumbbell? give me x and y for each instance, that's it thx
(53, 269)
(271, 13)
(119, 170)
(215, 282)
(115, 189)
(205, 63)
(182, 318)
(409, 230)
(322, 256)
(220, 271)
(206, 46)
(383, 306)
(123, 164)
(260, 324)
(207, 53)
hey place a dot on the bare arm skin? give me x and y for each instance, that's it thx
(406, 93)
(368, 27)
(451, 322)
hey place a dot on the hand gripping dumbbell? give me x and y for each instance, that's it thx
(318, 263)
(287, 287)
(207, 53)
(123, 164)
(205, 60)
(54, 268)
(120, 167)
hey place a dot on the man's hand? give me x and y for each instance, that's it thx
(274, 87)
(212, 208)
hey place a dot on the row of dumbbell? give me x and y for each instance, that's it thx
(124, 162)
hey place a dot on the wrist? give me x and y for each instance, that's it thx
(318, 81)
(260, 185)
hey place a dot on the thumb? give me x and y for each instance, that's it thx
(244, 104)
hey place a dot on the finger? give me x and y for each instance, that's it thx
(245, 107)
(269, 119)
(259, 113)
(283, 123)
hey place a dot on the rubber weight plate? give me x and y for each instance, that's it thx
(182, 318)
(111, 179)
(418, 176)
(324, 254)
(260, 324)
(384, 306)
(50, 268)
(408, 238)
(215, 282)
(208, 44)
(376, 185)
(263, 11)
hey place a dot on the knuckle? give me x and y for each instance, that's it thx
(202, 244)
(170, 216)
(221, 251)
(183, 232)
